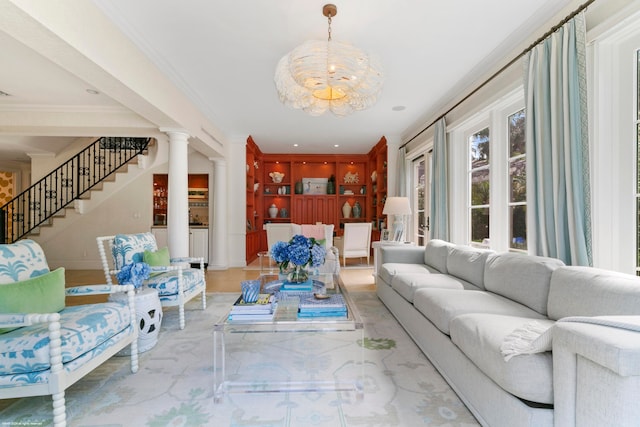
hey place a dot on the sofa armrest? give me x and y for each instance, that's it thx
(18, 320)
(97, 290)
(190, 260)
(402, 254)
(596, 374)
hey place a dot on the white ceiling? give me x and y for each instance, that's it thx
(222, 56)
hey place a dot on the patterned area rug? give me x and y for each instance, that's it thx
(174, 386)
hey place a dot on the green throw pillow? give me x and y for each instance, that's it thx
(41, 294)
(159, 258)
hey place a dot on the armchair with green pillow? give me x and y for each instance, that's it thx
(45, 346)
(174, 280)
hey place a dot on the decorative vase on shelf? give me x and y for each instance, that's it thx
(283, 213)
(357, 210)
(299, 187)
(346, 210)
(331, 185)
(273, 211)
(298, 275)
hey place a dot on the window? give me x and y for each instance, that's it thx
(479, 181)
(637, 135)
(517, 181)
(420, 203)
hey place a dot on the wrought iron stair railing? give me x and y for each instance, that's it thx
(37, 205)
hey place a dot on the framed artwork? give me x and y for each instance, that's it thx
(384, 235)
(315, 185)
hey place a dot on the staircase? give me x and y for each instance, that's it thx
(38, 205)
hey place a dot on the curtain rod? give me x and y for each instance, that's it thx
(509, 64)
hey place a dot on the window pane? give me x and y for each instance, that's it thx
(638, 236)
(517, 144)
(518, 218)
(479, 145)
(518, 179)
(479, 224)
(638, 155)
(480, 187)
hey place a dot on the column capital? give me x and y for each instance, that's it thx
(219, 161)
(175, 132)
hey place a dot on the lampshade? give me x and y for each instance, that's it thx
(397, 206)
(326, 75)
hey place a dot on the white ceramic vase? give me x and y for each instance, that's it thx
(346, 210)
(273, 211)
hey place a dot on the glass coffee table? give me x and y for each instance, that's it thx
(290, 353)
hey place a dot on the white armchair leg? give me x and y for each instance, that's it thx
(181, 313)
(59, 410)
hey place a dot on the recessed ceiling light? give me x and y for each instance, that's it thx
(398, 108)
(295, 145)
(336, 145)
(93, 91)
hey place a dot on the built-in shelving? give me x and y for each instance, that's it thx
(298, 186)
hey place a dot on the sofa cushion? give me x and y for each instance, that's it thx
(468, 264)
(441, 306)
(389, 270)
(436, 253)
(588, 291)
(159, 258)
(128, 248)
(21, 261)
(522, 278)
(26, 349)
(166, 283)
(407, 283)
(480, 335)
(42, 294)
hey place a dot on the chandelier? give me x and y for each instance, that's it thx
(327, 75)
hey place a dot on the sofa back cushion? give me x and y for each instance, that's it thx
(588, 291)
(128, 248)
(435, 254)
(467, 263)
(21, 261)
(521, 278)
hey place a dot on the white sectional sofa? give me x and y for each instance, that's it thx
(575, 332)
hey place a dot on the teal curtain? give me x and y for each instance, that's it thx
(438, 202)
(401, 173)
(558, 191)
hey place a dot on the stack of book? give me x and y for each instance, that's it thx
(297, 287)
(260, 310)
(333, 306)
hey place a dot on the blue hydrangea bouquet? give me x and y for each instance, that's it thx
(134, 273)
(296, 254)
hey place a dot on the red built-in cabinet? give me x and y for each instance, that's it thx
(285, 181)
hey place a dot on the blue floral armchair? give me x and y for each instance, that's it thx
(45, 346)
(175, 283)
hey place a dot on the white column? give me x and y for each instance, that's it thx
(218, 258)
(178, 203)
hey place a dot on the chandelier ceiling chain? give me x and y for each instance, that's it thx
(328, 75)
(329, 29)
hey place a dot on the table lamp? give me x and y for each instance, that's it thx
(399, 207)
